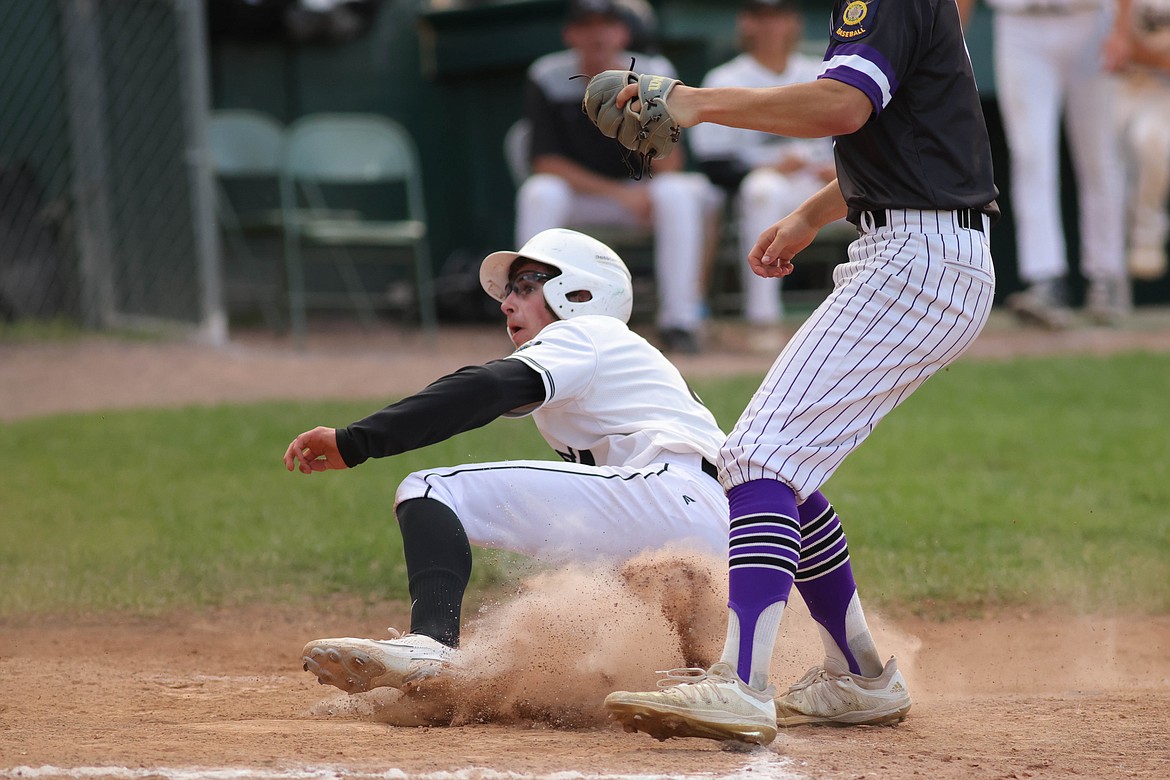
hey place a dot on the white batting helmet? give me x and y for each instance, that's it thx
(585, 264)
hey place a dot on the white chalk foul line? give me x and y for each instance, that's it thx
(766, 766)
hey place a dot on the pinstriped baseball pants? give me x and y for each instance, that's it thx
(912, 298)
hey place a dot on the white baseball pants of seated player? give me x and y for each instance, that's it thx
(682, 205)
(912, 298)
(1048, 64)
(766, 196)
(569, 512)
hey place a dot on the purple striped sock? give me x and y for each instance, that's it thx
(763, 552)
(825, 578)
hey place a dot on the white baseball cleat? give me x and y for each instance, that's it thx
(830, 696)
(712, 704)
(358, 665)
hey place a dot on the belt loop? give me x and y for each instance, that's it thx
(866, 222)
(974, 219)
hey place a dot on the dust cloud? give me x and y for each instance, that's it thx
(569, 636)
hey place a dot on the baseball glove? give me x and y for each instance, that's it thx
(650, 131)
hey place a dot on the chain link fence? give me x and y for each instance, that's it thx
(106, 212)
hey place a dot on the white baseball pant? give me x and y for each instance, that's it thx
(912, 298)
(566, 512)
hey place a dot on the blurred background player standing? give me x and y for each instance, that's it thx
(1054, 59)
(768, 175)
(581, 178)
(1144, 119)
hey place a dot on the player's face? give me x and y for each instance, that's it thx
(766, 32)
(524, 304)
(598, 39)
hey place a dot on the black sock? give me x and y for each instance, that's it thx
(438, 564)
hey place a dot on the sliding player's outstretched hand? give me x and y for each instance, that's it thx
(314, 450)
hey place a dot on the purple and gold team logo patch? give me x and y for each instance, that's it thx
(853, 22)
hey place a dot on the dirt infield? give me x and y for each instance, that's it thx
(90, 374)
(220, 693)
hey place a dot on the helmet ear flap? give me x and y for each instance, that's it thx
(580, 296)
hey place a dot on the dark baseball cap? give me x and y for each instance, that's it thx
(790, 6)
(583, 9)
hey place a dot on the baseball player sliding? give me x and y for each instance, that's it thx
(638, 450)
(914, 175)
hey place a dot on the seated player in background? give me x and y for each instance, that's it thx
(638, 450)
(769, 175)
(580, 178)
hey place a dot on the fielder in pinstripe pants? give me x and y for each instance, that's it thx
(914, 175)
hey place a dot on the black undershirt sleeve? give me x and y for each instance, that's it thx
(469, 398)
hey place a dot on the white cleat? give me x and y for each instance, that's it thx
(358, 665)
(826, 696)
(712, 704)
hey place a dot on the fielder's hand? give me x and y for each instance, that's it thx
(777, 245)
(314, 450)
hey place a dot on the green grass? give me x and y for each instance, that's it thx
(1039, 482)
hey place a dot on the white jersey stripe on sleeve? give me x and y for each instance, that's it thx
(863, 67)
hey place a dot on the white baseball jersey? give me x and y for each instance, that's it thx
(634, 439)
(610, 400)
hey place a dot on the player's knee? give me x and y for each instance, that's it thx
(414, 486)
(426, 484)
(543, 190)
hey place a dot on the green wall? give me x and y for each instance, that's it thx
(454, 78)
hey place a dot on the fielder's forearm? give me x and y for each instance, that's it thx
(825, 206)
(814, 109)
